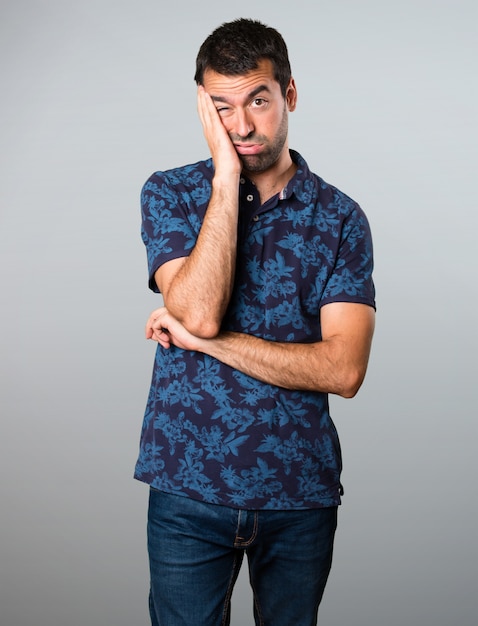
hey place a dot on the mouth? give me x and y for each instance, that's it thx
(248, 148)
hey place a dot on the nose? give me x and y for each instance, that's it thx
(243, 125)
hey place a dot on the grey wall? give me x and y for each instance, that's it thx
(96, 95)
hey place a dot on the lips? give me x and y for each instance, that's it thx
(248, 148)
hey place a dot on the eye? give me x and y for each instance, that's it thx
(223, 111)
(258, 103)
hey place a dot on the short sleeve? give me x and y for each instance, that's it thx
(166, 228)
(351, 279)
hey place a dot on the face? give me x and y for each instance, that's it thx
(254, 113)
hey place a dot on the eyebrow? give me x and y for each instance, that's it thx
(252, 94)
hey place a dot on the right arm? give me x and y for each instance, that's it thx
(197, 289)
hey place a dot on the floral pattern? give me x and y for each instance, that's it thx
(211, 432)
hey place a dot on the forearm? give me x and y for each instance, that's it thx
(337, 364)
(321, 366)
(199, 292)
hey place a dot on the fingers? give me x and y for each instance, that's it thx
(156, 329)
(168, 331)
(163, 340)
(213, 126)
(206, 109)
(223, 152)
(154, 322)
(210, 120)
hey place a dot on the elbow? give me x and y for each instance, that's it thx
(351, 383)
(203, 329)
(199, 325)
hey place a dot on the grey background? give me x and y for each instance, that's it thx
(95, 97)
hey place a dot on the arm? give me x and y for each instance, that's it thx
(196, 289)
(337, 364)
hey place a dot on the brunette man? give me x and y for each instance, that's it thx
(265, 271)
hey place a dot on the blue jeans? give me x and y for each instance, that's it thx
(196, 550)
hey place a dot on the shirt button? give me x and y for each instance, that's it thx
(242, 181)
(256, 218)
(250, 197)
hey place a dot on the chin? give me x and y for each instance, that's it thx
(256, 163)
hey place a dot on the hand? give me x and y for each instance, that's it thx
(166, 330)
(220, 145)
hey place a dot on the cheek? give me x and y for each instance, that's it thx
(273, 124)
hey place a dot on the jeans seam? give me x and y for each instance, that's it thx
(257, 605)
(250, 541)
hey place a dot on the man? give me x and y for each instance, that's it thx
(265, 271)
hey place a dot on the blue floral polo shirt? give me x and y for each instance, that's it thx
(211, 432)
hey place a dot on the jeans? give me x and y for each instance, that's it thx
(196, 550)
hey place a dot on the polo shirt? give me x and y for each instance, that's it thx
(211, 432)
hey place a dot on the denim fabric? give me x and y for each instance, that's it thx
(196, 550)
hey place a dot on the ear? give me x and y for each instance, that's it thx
(291, 95)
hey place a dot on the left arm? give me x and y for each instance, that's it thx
(337, 364)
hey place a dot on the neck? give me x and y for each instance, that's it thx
(274, 179)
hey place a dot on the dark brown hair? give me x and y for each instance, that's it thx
(237, 47)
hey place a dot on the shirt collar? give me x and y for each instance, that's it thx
(299, 183)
